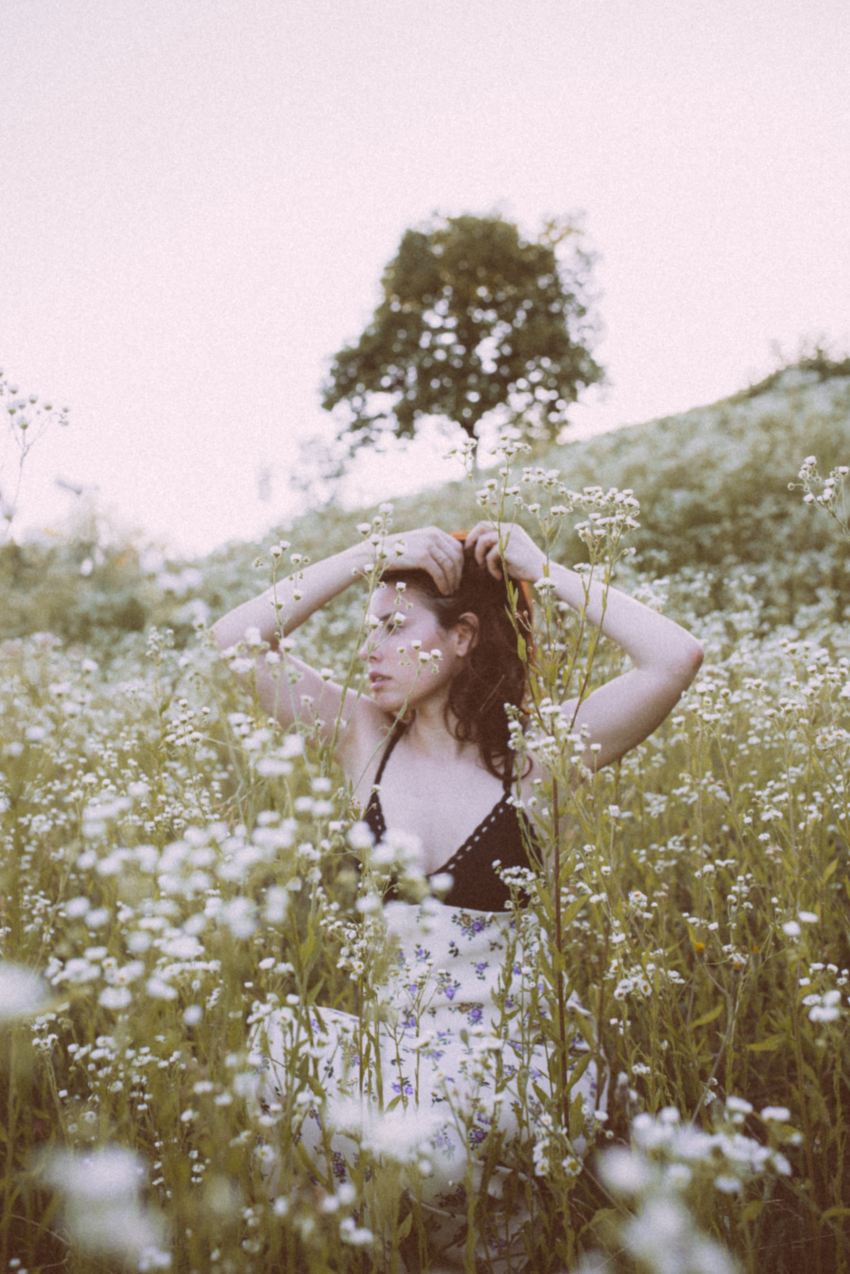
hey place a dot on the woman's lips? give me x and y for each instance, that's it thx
(377, 679)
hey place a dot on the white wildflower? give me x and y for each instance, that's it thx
(102, 1205)
(441, 883)
(739, 1105)
(399, 1135)
(273, 767)
(360, 836)
(115, 997)
(624, 1172)
(275, 904)
(22, 991)
(776, 1114)
(158, 989)
(355, 1235)
(240, 916)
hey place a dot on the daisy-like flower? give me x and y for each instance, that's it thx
(22, 991)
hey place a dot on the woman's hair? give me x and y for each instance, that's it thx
(493, 674)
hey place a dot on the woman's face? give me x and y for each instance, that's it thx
(408, 655)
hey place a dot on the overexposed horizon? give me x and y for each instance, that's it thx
(199, 197)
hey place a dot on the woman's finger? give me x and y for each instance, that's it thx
(485, 547)
(485, 543)
(451, 555)
(436, 568)
(473, 534)
(493, 562)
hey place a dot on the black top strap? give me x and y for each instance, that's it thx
(395, 734)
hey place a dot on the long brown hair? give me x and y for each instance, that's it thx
(494, 674)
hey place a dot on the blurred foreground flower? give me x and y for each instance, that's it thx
(22, 991)
(103, 1211)
(663, 1237)
(665, 1173)
(402, 1135)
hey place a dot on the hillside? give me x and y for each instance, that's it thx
(717, 519)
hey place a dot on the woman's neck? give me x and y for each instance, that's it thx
(429, 730)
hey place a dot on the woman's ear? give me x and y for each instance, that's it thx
(466, 632)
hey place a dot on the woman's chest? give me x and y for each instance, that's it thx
(442, 818)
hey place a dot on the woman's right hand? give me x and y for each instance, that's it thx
(426, 549)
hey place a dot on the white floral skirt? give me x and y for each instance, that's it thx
(444, 1074)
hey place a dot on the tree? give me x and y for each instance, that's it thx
(473, 318)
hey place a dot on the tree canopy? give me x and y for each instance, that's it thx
(472, 318)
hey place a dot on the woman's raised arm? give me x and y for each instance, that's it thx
(625, 710)
(289, 689)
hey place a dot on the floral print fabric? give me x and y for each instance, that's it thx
(442, 1069)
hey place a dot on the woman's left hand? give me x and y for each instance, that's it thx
(518, 554)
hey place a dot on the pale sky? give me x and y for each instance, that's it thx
(198, 197)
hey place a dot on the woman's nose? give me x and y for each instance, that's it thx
(368, 647)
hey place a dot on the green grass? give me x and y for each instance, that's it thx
(702, 897)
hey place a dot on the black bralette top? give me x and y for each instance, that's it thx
(499, 836)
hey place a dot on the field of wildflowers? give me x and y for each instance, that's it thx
(174, 868)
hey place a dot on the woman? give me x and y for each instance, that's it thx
(428, 755)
